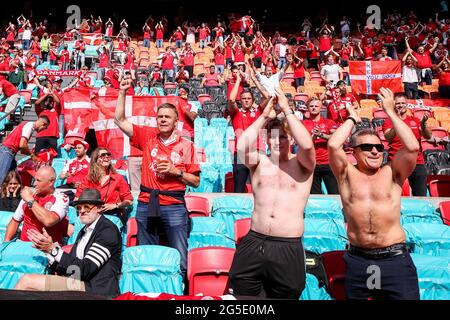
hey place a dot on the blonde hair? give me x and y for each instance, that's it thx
(95, 170)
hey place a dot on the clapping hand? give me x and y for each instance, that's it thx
(387, 98)
(41, 241)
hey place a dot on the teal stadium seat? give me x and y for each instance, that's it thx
(312, 290)
(323, 208)
(151, 269)
(58, 164)
(208, 232)
(209, 179)
(434, 276)
(415, 210)
(5, 218)
(98, 83)
(323, 235)
(19, 258)
(428, 238)
(231, 208)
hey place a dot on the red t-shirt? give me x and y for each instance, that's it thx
(188, 59)
(8, 88)
(167, 61)
(423, 60)
(324, 43)
(52, 130)
(181, 152)
(146, 35)
(241, 119)
(368, 53)
(257, 51)
(203, 33)
(444, 78)
(188, 125)
(12, 140)
(104, 61)
(239, 55)
(177, 35)
(4, 66)
(57, 203)
(396, 145)
(109, 31)
(114, 190)
(336, 109)
(77, 169)
(211, 80)
(159, 34)
(320, 144)
(299, 70)
(219, 59)
(65, 55)
(228, 52)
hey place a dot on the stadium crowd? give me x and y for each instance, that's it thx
(298, 85)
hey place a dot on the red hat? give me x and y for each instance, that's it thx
(84, 143)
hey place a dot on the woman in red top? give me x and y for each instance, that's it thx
(444, 77)
(299, 72)
(113, 188)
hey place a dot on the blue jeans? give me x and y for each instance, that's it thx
(219, 69)
(168, 75)
(6, 158)
(25, 44)
(179, 43)
(174, 219)
(146, 43)
(159, 43)
(281, 62)
(202, 44)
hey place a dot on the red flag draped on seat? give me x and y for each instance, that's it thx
(367, 77)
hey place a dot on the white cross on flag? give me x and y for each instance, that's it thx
(367, 77)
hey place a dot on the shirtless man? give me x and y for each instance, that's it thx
(271, 255)
(370, 197)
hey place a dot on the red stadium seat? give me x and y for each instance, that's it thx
(301, 97)
(197, 206)
(229, 184)
(439, 132)
(379, 113)
(439, 188)
(27, 95)
(430, 146)
(202, 98)
(208, 269)
(335, 267)
(170, 85)
(67, 248)
(131, 232)
(406, 189)
(419, 113)
(444, 207)
(241, 228)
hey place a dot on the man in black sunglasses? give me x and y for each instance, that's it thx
(370, 197)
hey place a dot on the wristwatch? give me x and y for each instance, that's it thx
(55, 251)
(30, 203)
(181, 174)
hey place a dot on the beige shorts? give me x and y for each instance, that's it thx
(58, 283)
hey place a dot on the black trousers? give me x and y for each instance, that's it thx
(274, 264)
(190, 70)
(397, 278)
(411, 90)
(418, 181)
(240, 176)
(46, 143)
(323, 172)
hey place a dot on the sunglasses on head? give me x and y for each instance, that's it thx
(370, 146)
(106, 154)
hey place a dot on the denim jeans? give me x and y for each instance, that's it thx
(281, 62)
(159, 43)
(174, 219)
(168, 75)
(6, 158)
(179, 43)
(146, 43)
(220, 69)
(25, 44)
(202, 44)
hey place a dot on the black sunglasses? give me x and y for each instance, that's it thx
(369, 147)
(107, 154)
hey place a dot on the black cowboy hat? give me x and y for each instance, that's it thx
(89, 196)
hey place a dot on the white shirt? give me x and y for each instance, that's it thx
(409, 75)
(85, 239)
(331, 72)
(26, 34)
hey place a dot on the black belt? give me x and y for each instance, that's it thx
(153, 206)
(379, 253)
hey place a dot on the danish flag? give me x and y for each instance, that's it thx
(368, 77)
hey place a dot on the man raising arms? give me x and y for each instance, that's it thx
(370, 197)
(271, 255)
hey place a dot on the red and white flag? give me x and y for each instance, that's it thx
(367, 77)
(82, 113)
(93, 39)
